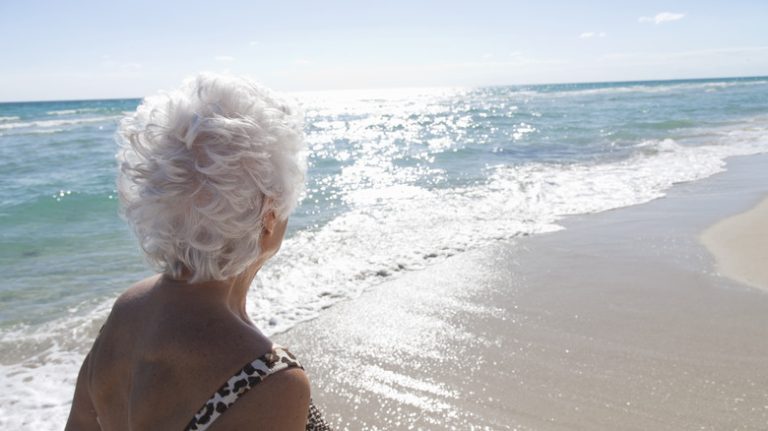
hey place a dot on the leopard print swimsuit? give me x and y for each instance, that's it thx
(245, 379)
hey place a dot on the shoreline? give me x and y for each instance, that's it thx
(739, 245)
(616, 322)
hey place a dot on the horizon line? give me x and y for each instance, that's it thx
(421, 86)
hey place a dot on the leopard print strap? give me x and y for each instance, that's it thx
(249, 376)
(315, 420)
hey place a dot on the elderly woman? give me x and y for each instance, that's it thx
(208, 176)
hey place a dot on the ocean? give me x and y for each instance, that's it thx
(398, 180)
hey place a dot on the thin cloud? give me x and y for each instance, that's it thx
(131, 66)
(108, 63)
(224, 58)
(302, 61)
(591, 34)
(662, 17)
(516, 60)
(666, 57)
(253, 42)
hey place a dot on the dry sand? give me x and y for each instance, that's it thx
(740, 246)
(617, 323)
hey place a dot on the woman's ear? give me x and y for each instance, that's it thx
(269, 222)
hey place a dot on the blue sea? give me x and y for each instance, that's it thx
(398, 180)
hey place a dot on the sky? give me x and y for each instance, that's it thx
(56, 50)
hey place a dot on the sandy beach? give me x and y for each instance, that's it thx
(620, 321)
(740, 246)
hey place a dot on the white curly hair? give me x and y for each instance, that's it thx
(199, 168)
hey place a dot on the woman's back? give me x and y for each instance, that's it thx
(166, 348)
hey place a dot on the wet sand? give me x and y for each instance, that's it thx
(740, 246)
(618, 322)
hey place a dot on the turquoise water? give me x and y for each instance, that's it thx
(62, 242)
(398, 179)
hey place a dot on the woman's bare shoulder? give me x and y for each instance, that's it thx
(136, 292)
(172, 319)
(126, 312)
(281, 402)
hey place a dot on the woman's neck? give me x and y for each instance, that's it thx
(238, 293)
(231, 293)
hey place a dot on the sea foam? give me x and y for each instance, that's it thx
(57, 123)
